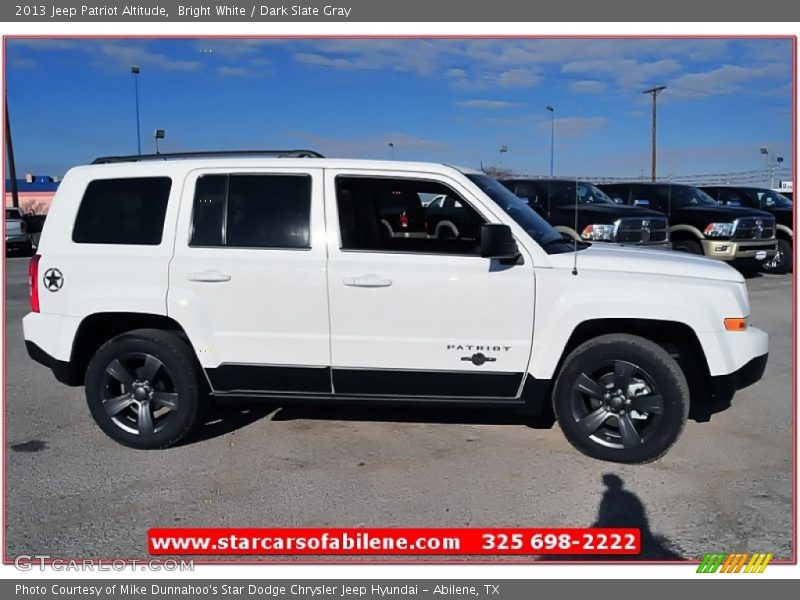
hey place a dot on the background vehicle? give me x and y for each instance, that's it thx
(599, 218)
(208, 289)
(402, 213)
(699, 225)
(778, 205)
(18, 238)
(446, 217)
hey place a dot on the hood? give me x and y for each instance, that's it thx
(783, 215)
(717, 213)
(609, 212)
(607, 257)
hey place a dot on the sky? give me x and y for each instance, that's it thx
(447, 100)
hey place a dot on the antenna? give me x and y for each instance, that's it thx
(575, 240)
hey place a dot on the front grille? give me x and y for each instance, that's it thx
(642, 231)
(754, 228)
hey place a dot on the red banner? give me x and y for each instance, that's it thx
(392, 541)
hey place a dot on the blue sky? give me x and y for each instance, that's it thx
(454, 101)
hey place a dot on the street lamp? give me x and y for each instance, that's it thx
(552, 134)
(158, 134)
(391, 145)
(135, 72)
(503, 149)
(771, 160)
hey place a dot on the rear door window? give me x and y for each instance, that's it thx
(252, 211)
(123, 211)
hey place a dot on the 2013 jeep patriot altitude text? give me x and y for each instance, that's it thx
(159, 282)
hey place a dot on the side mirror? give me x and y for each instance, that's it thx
(497, 241)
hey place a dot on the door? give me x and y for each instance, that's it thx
(247, 280)
(421, 315)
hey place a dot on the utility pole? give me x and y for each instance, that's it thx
(654, 92)
(12, 168)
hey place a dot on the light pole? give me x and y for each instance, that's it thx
(503, 149)
(135, 71)
(771, 160)
(12, 167)
(654, 92)
(391, 145)
(552, 134)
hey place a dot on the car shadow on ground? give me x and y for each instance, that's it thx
(225, 417)
(622, 508)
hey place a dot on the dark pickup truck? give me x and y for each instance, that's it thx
(776, 204)
(699, 225)
(599, 218)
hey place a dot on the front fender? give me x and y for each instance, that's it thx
(564, 301)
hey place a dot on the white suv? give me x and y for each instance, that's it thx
(161, 281)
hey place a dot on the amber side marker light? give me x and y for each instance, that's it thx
(736, 324)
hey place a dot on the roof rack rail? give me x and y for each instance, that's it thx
(212, 154)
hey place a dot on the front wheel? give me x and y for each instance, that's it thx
(689, 246)
(782, 261)
(621, 398)
(143, 390)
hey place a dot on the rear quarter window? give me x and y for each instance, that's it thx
(123, 211)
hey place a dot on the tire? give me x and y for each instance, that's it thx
(782, 262)
(153, 380)
(446, 232)
(689, 246)
(606, 425)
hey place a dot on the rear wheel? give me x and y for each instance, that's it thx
(143, 389)
(783, 260)
(621, 398)
(690, 246)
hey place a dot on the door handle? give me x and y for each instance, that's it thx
(367, 281)
(210, 276)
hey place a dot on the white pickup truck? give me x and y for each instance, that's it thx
(161, 281)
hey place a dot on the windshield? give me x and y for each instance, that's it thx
(686, 195)
(591, 194)
(516, 208)
(770, 199)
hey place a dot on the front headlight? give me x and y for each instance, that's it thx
(598, 232)
(718, 230)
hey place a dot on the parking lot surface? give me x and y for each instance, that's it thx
(72, 492)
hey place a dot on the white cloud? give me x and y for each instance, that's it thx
(726, 79)
(627, 72)
(523, 78)
(228, 71)
(124, 55)
(487, 104)
(588, 87)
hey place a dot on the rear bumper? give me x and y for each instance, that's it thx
(733, 250)
(62, 370)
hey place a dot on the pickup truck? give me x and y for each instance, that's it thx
(18, 239)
